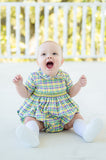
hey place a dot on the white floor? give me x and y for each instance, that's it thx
(65, 145)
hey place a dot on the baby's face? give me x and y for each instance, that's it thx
(50, 58)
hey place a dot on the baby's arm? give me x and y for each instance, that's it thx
(76, 87)
(21, 89)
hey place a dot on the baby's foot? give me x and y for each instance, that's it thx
(92, 129)
(27, 136)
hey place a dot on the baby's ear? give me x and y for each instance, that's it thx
(37, 62)
(62, 61)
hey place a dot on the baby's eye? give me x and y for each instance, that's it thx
(43, 54)
(54, 53)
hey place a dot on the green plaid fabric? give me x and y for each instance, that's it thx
(49, 101)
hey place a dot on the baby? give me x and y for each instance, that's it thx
(48, 104)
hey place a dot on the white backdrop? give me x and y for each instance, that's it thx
(64, 145)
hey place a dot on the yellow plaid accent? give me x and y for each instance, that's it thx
(49, 101)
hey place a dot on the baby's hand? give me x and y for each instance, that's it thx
(18, 80)
(82, 81)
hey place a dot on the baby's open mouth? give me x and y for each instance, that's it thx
(49, 64)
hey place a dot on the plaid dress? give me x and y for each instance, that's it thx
(49, 101)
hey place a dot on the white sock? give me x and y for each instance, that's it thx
(33, 126)
(79, 127)
(88, 131)
(28, 133)
(93, 129)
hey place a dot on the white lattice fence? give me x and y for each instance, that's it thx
(82, 37)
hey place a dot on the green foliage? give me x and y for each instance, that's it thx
(51, 27)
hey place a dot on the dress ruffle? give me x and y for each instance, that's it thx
(55, 109)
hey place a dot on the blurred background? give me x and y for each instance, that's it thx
(12, 41)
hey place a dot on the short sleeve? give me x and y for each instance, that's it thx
(69, 82)
(30, 83)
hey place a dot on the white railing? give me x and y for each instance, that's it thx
(78, 45)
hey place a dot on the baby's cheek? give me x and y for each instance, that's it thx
(58, 63)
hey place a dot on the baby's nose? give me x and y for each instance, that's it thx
(49, 57)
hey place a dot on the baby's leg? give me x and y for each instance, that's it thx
(28, 132)
(70, 124)
(87, 131)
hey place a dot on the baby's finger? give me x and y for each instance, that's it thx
(83, 77)
(14, 80)
(18, 77)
